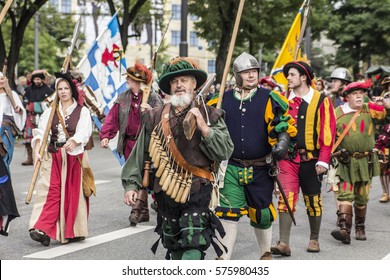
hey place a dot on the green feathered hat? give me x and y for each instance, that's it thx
(181, 66)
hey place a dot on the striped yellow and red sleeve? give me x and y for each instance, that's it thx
(326, 130)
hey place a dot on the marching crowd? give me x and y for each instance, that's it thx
(204, 166)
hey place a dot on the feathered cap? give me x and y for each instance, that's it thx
(181, 66)
(356, 86)
(139, 73)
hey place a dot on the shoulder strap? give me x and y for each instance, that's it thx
(197, 171)
(346, 130)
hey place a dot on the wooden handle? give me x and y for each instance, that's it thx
(41, 150)
(189, 125)
(146, 178)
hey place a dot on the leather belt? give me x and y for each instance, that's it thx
(251, 162)
(58, 144)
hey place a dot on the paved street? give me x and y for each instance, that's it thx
(111, 238)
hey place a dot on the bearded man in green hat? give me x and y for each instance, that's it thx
(183, 169)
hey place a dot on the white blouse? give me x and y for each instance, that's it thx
(83, 128)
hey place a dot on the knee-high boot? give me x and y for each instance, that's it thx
(229, 239)
(29, 160)
(139, 210)
(360, 218)
(344, 233)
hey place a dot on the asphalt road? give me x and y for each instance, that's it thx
(111, 238)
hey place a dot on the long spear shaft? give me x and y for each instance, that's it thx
(5, 10)
(230, 52)
(303, 27)
(146, 93)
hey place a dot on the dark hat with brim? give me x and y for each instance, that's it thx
(181, 67)
(69, 79)
(302, 68)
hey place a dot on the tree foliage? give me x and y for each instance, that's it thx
(17, 37)
(264, 25)
(361, 30)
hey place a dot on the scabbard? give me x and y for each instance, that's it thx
(285, 199)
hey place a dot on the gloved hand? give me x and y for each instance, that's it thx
(280, 149)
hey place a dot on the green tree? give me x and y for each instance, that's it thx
(361, 30)
(131, 12)
(19, 14)
(53, 28)
(264, 25)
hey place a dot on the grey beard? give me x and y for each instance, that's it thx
(181, 101)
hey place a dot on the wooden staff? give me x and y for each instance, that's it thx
(5, 10)
(230, 52)
(66, 65)
(8, 92)
(146, 91)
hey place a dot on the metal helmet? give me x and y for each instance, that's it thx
(243, 62)
(341, 73)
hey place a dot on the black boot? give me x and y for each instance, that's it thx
(344, 233)
(360, 218)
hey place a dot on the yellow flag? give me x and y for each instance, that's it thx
(287, 52)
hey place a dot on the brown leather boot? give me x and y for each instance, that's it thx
(360, 218)
(142, 202)
(144, 217)
(344, 233)
(29, 160)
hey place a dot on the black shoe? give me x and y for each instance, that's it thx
(76, 239)
(40, 237)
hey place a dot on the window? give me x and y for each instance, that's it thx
(54, 3)
(193, 17)
(175, 38)
(66, 6)
(176, 11)
(193, 39)
(211, 66)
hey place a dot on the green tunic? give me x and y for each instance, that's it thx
(359, 139)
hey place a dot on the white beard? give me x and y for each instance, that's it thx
(181, 101)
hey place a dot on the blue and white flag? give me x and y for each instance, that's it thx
(102, 68)
(104, 65)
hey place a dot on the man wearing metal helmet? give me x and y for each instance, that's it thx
(357, 163)
(339, 78)
(260, 128)
(184, 169)
(315, 120)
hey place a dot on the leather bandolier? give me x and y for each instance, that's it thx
(179, 165)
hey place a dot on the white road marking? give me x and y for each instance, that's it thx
(88, 242)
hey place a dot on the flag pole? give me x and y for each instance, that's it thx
(306, 7)
(230, 52)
